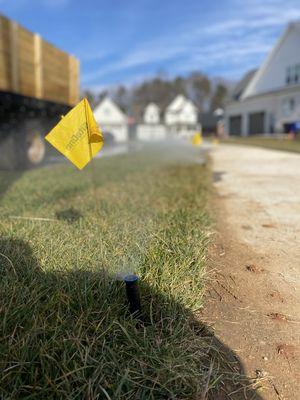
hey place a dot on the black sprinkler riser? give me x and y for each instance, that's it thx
(133, 294)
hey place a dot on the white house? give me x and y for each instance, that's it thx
(111, 120)
(181, 117)
(268, 100)
(151, 129)
(152, 114)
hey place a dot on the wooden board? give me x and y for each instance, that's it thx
(31, 66)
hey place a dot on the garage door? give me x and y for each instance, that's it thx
(235, 125)
(256, 123)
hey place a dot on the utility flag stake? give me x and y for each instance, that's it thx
(77, 135)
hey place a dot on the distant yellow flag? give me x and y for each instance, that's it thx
(77, 135)
(197, 139)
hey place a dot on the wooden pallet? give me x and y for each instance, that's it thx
(32, 67)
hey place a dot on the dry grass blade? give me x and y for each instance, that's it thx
(204, 393)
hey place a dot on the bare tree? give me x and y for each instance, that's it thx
(219, 97)
(122, 98)
(199, 89)
(162, 90)
(88, 94)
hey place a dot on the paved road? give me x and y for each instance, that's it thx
(257, 310)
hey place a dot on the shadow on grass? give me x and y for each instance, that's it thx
(7, 179)
(68, 335)
(69, 215)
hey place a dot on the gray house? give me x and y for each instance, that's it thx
(268, 100)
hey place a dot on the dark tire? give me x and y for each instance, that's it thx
(29, 144)
(7, 151)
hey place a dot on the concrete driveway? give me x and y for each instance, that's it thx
(255, 307)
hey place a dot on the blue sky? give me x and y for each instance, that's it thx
(125, 41)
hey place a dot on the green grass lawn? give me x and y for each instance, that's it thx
(270, 143)
(65, 329)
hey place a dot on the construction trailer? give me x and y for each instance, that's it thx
(38, 84)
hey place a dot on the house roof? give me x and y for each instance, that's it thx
(179, 103)
(152, 105)
(242, 84)
(250, 88)
(107, 111)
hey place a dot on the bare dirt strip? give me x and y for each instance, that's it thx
(254, 301)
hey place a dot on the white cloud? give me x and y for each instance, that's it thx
(235, 41)
(128, 82)
(197, 53)
(157, 51)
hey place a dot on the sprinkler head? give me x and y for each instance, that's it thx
(132, 292)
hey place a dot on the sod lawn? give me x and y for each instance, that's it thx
(267, 142)
(65, 238)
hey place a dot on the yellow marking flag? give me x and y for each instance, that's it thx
(77, 136)
(197, 139)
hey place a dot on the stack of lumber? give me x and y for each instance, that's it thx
(32, 67)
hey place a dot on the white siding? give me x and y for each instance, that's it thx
(111, 119)
(181, 112)
(151, 133)
(273, 106)
(268, 91)
(151, 114)
(272, 74)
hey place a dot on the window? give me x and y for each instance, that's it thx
(288, 75)
(293, 74)
(288, 106)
